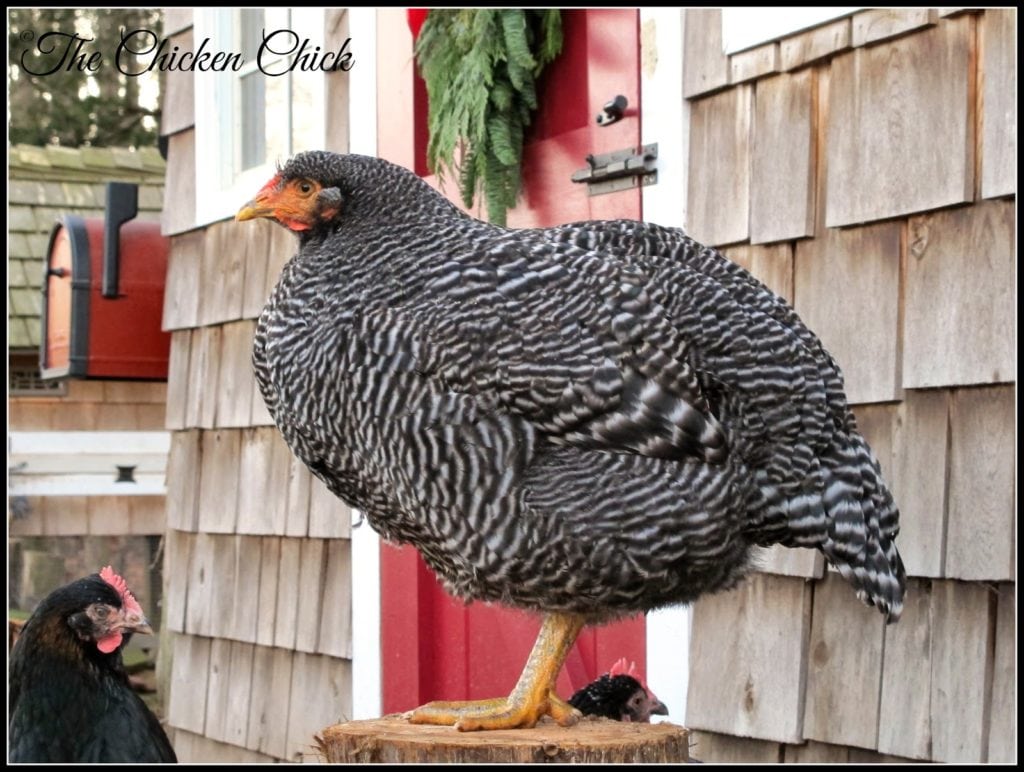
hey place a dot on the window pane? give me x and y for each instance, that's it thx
(251, 32)
(254, 120)
(278, 118)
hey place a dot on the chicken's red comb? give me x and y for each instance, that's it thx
(119, 584)
(622, 667)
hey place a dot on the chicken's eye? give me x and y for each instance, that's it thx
(102, 611)
(305, 188)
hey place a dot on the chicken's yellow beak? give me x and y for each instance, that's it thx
(264, 204)
(253, 209)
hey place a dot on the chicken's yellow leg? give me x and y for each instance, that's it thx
(534, 695)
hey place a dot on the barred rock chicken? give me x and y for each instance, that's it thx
(69, 697)
(619, 694)
(590, 420)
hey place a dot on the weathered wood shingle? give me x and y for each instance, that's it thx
(999, 119)
(749, 649)
(719, 177)
(846, 289)
(899, 129)
(706, 67)
(815, 44)
(844, 670)
(1002, 734)
(271, 689)
(880, 24)
(186, 707)
(178, 108)
(961, 657)
(249, 586)
(904, 717)
(981, 481)
(960, 296)
(782, 175)
(918, 482)
(754, 63)
(915, 310)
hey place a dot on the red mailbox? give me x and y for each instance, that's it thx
(103, 295)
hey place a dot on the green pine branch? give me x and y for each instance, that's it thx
(481, 68)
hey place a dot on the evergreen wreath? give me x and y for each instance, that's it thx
(481, 67)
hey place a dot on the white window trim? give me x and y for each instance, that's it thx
(219, 193)
(367, 675)
(744, 28)
(665, 119)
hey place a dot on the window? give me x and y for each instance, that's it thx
(747, 27)
(263, 109)
(24, 379)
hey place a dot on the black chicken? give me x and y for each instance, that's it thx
(590, 420)
(69, 697)
(619, 694)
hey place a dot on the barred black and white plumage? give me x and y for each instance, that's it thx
(598, 418)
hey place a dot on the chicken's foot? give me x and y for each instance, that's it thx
(534, 695)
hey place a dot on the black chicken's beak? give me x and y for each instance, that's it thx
(658, 708)
(135, 623)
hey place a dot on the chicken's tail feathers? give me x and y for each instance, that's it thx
(846, 511)
(861, 526)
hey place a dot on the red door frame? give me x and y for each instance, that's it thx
(427, 637)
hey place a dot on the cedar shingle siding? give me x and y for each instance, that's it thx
(881, 170)
(258, 589)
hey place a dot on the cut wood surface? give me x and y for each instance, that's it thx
(393, 739)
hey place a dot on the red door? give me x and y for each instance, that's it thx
(433, 646)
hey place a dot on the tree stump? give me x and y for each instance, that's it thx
(393, 739)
